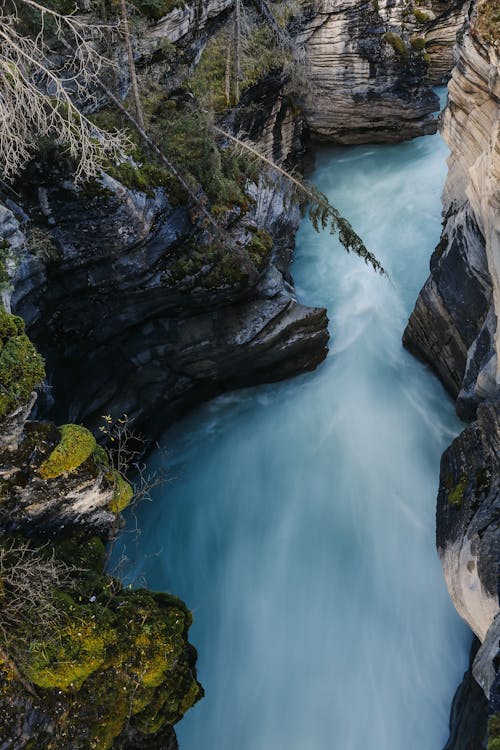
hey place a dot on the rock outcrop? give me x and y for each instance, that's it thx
(121, 286)
(369, 69)
(455, 329)
(468, 518)
(454, 326)
(84, 663)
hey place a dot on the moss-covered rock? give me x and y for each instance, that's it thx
(456, 493)
(76, 445)
(123, 493)
(494, 732)
(21, 367)
(114, 658)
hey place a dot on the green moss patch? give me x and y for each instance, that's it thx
(420, 16)
(122, 495)
(456, 495)
(21, 367)
(494, 732)
(111, 658)
(216, 266)
(76, 445)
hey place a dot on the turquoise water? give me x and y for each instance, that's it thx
(299, 523)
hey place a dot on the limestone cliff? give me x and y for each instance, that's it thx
(454, 327)
(370, 66)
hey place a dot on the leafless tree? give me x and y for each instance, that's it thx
(41, 78)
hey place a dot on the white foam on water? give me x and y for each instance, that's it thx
(301, 528)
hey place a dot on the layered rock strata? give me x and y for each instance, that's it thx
(455, 329)
(369, 70)
(454, 326)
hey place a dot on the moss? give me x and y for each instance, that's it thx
(185, 135)
(78, 651)
(21, 367)
(396, 43)
(494, 732)
(114, 657)
(101, 457)
(483, 479)
(122, 495)
(76, 445)
(427, 58)
(259, 247)
(456, 494)
(420, 16)
(418, 43)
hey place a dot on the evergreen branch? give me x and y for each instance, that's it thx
(315, 203)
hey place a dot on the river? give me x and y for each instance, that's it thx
(298, 524)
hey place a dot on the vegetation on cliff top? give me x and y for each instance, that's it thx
(488, 20)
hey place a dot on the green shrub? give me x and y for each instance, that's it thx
(21, 367)
(259, 56)
(418, 43)
(76, 445)
(488, 20)
(396, 43)
(420, 16)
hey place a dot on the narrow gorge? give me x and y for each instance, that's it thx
(295, 517)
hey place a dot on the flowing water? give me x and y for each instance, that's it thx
(300, 523)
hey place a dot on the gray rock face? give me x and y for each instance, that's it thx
(150, 346)
(468, 518)
(446, 22)
(454, 328)
(367, 82)
(469, 712)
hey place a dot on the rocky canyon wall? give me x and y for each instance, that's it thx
(370, 67)
(454, 327)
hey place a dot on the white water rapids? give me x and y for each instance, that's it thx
(299, 527)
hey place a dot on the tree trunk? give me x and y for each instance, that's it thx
(237, 50)
(131, 65)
